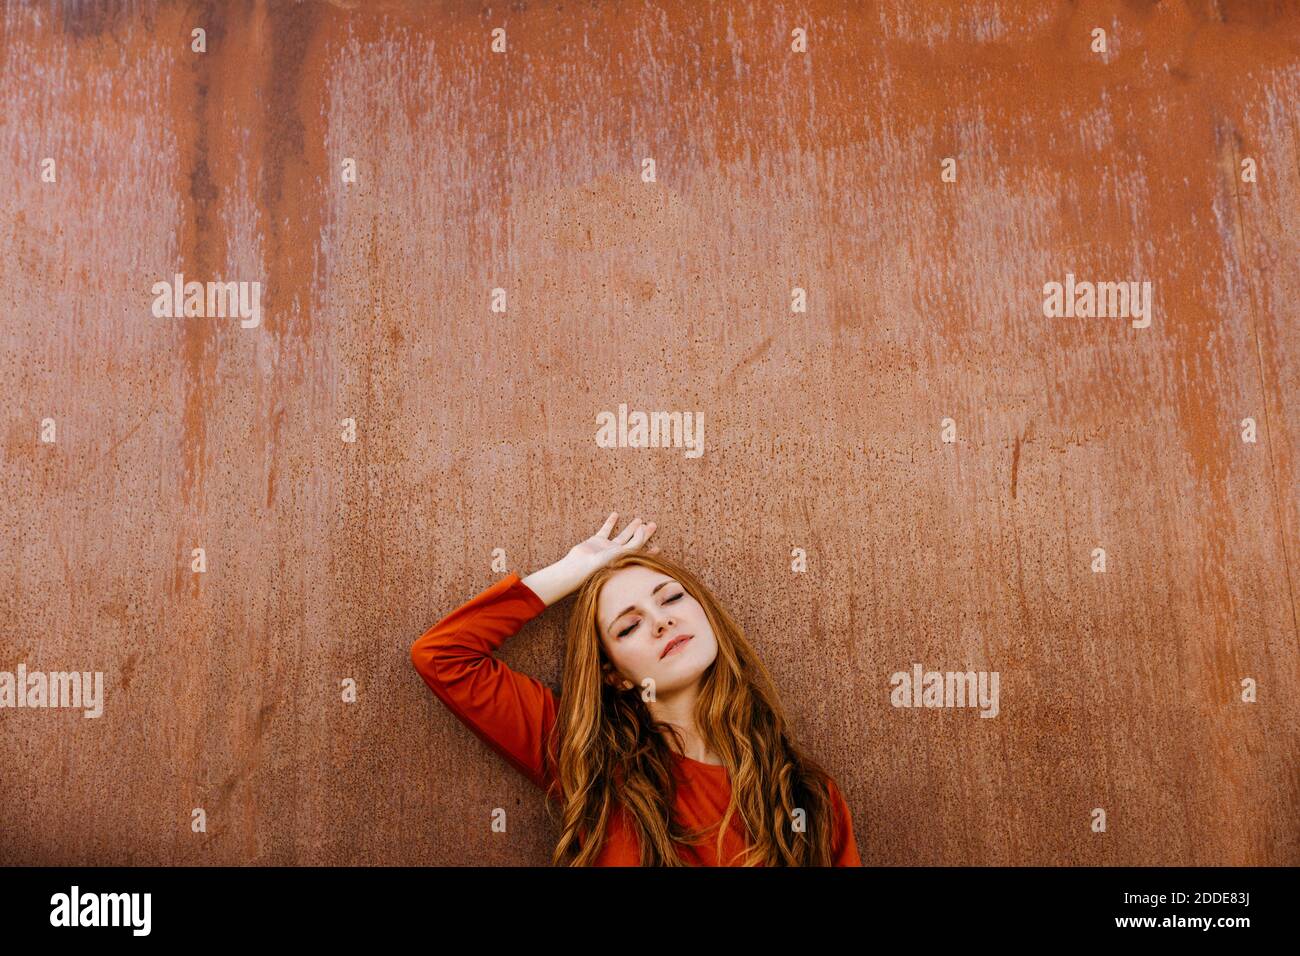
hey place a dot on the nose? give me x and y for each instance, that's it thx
(664, 624)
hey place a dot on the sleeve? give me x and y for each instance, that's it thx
(511, 712)
(845, 849)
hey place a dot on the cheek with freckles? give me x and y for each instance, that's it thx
(633, 659)
(685, 664)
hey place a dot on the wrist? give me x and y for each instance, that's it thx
(556, 581)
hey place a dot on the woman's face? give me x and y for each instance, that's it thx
(639, 613)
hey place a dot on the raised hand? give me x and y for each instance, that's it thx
(600, 548)
(566, 575)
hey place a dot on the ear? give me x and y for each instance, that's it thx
(616, 680)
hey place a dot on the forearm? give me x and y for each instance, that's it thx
(511, 711)
(556, 581)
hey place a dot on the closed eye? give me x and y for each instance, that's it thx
(628, 630)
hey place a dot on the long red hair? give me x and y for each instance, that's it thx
(610, 749)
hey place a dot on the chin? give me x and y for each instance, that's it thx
(683, 676)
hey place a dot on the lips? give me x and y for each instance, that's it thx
(675, 643)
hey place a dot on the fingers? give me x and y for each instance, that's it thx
(642, 534)
(634, 535)
(627, 533)
(608, 526)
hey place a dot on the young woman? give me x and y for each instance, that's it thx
(668, 745)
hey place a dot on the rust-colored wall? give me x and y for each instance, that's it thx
(823, 429)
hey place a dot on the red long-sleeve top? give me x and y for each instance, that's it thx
(513, 713)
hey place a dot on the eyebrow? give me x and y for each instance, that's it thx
(615, 618)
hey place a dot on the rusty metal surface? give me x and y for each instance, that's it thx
(774, 169)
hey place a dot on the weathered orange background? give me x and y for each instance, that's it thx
(822, 430)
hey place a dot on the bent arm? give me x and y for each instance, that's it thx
(511, 712)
